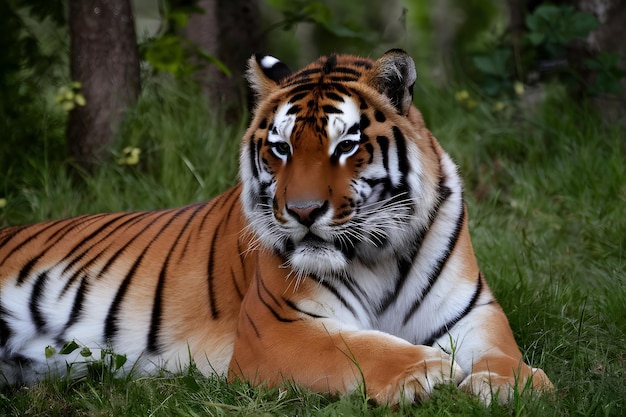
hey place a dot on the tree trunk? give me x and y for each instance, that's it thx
(105, 60)
(228, 30)
(608, 37)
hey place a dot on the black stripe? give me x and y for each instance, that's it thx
(152, 344)
(86, 239)
(362, 63)
(441, 262)
(183, 253)
(278, 317)
(211, 276)
(306, 86)
(335, 292)
(347, 71)
(334, 96)
(68, 226)
(252, 150)
(294, 109)
(233, 278)
(295, 98)
(450, 324)
(293, 306)
(77, 306)
(330, 109)
(110, 324)
(120, 251)
(85, 268)
(37, 292)
(364, 122)
(342, 78)
(403, 158)
(26, 269)
(383, 144)
(405, 263)
(330, 64)
(353, 130)
(72, 224)
(9, 233)
(28, 239)
(5, 330)
(256, 331)
(341, 89)
(307, 72)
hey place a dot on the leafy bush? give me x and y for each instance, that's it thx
(542, 53)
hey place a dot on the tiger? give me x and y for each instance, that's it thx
(341, 261)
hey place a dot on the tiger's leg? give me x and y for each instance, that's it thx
(484, 346)
(277, 342)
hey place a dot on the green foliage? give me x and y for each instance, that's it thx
(496, 70)
(608, 72)
(174, 53)
(321, 14)
(349, 27)
(31, 69)
(553, 26)
(542, 50)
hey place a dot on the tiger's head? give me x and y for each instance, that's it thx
(337, 164)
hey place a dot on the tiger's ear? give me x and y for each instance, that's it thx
(394, 76)
(265, 74)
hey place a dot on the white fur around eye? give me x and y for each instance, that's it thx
(281, 131)
(341, 129)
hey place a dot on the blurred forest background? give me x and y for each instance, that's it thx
(70, 69)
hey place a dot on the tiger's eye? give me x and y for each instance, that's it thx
(281, 148)
(346, 146)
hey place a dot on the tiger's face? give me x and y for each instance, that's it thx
(326, 164)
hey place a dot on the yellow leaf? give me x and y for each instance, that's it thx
(80, 99)
(461, 95)
(67, 105)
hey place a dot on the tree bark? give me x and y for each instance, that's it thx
(608, 37)
(105, 60)
(230, 31)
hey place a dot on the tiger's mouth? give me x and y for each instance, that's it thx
(317, 256)
(310, 241)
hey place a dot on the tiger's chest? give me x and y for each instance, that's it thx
(391, 298)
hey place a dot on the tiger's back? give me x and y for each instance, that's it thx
(161, 287)
(343, 258)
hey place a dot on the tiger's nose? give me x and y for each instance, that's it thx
(306, 212)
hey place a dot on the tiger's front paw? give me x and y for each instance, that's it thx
(418, 381)
(489, 386)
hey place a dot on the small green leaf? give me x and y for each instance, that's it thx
(120, 360)
(191, 383)
(69, 347)
(85, 352)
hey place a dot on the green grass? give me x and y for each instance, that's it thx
(546, 190)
